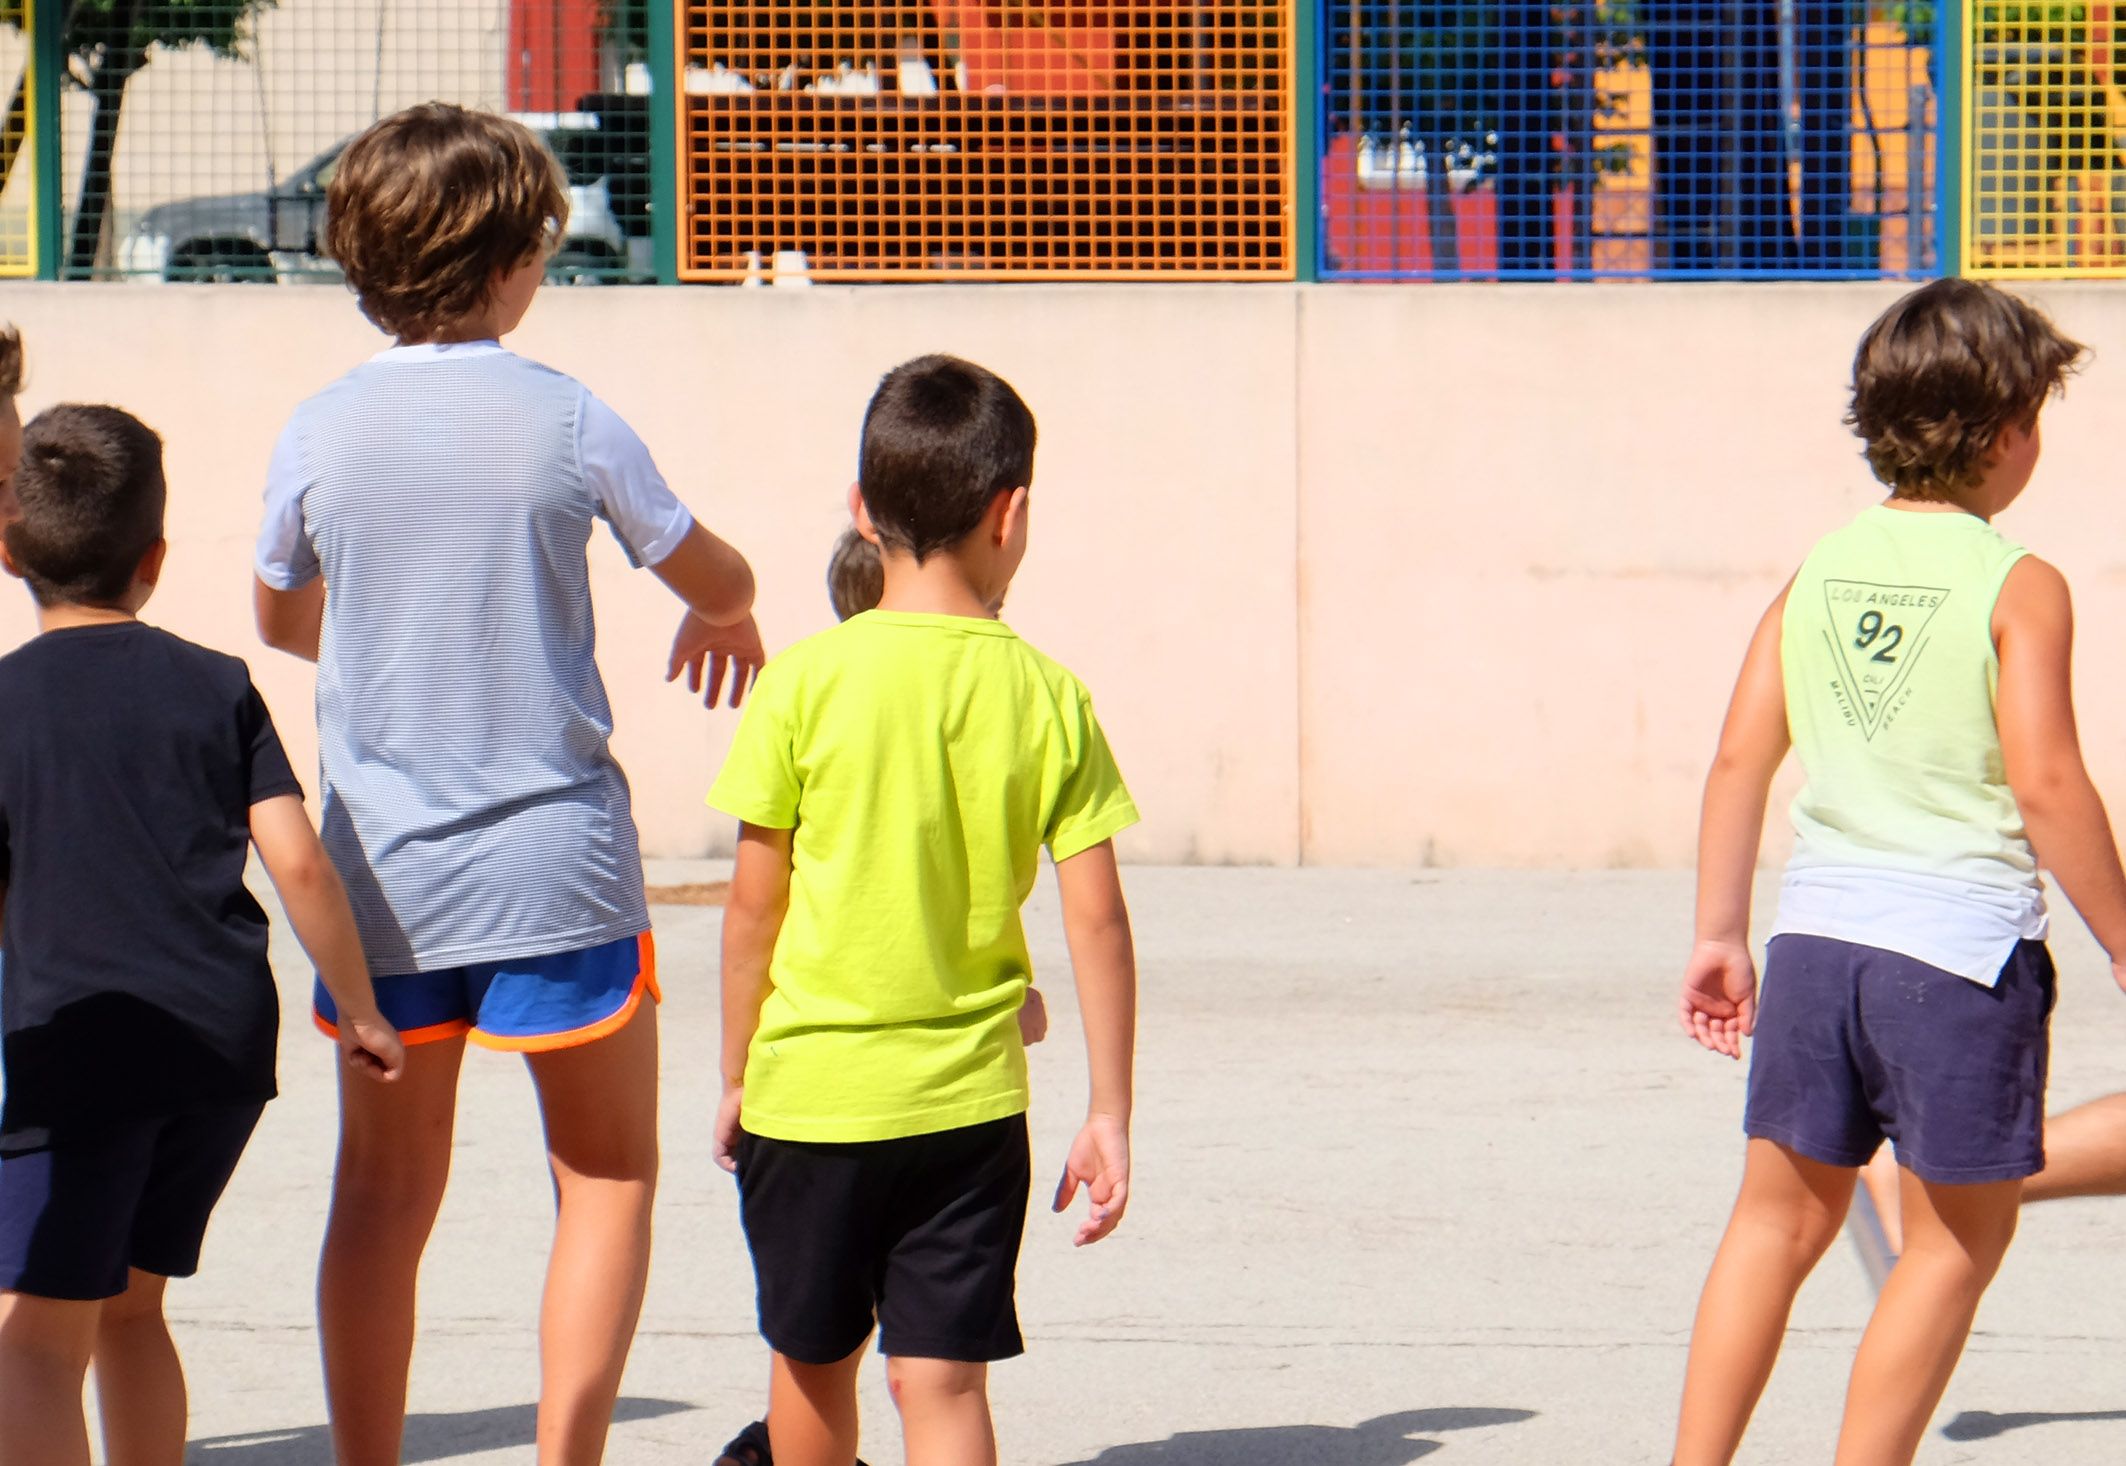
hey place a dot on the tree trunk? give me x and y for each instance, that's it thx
(12, 130)
(118, 58)
(1527, 124)
(1823, 47)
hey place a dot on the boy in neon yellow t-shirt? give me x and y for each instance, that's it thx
(897, 777)
(1918, 665)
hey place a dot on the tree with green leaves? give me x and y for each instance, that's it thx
(107, 43)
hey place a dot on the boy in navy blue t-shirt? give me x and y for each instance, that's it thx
(138, 1015)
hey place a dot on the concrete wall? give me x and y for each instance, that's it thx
(1358, 575)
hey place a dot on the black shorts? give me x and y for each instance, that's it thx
(77, 1213)
(920, 1235)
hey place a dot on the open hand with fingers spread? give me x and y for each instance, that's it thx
(1719, 1005)
(711, 654)
(1098, 1161)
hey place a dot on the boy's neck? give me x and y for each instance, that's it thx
(941, 586)
(463, 333)
(65, 617)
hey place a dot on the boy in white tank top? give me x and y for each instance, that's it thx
(1918, 665)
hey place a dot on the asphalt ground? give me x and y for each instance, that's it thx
(1423, 1170)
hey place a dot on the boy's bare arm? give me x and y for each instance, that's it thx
(291, 621)
(710, 576)
(316, 904)
(752, 920)
(1719, 1002)
(2033, 627)
(1104, 959)
(717, 638)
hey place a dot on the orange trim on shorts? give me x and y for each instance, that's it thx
(543, 1043)
(433, 1033)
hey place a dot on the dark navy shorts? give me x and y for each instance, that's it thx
(920, 1234)
(1856, 1045)
(136, 1194)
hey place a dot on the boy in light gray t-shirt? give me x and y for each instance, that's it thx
(427, 518)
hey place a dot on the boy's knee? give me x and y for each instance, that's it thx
(141, 1301)
(378, 1183)
(936, 1379)
(1803, 1232)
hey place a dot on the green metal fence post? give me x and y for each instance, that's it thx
(47, 67)
(1306, 139)
(667, 86)
(1952, 122)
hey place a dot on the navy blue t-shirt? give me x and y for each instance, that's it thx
(135, 981)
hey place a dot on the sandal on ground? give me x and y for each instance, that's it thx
(750, 1448)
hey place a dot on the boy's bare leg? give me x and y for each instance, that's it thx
(599, 1102)
(394, 1162)
(1883, 1178)
(812, 1411)
(1789, 1211)
(2085, 1152)
(944, 1408)
(44, 1357)
(140, 1386)
(1955, 1238)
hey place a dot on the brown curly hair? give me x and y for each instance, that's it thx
(430, 204)
(1939, 375)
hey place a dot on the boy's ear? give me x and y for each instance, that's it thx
(860, 513)
(1010, 512)
(149, 571)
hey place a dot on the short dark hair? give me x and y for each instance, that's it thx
(89, 502)
(855, 579)
(1941, 372)
(942, 438)
(429, 203)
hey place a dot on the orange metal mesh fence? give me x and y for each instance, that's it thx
(1012, 139)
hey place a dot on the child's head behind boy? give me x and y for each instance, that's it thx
(946, 466)
(855, 580)
(86, 529)
(1947, 387)
(441, 219)
(10, 416)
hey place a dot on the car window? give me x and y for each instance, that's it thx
(582, 151)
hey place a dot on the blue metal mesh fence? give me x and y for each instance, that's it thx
(1626, 138)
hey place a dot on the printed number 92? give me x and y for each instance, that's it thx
(1872, 630)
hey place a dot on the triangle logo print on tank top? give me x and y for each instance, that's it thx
(1877, 635)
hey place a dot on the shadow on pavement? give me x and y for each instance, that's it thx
(1984, 1425)
(434, 1437)
(1386, 1440)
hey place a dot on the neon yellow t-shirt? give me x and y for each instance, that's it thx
(921, 762)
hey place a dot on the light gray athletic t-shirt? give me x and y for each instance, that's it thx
(447, 494)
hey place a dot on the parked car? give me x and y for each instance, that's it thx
(274, 234)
